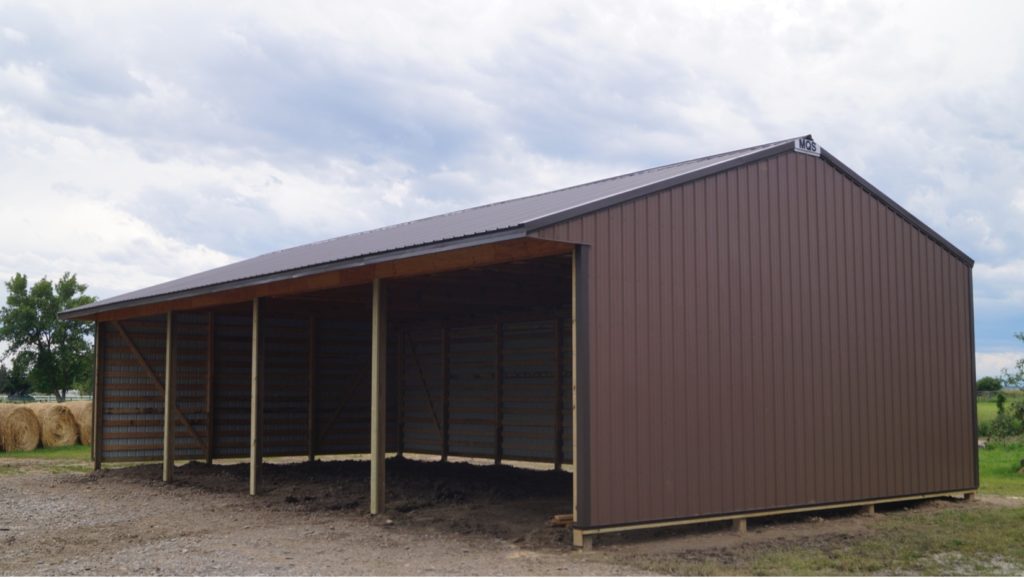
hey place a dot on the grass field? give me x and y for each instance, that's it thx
(937, 543)
(76, 459)
(987, 406)
(69, 453)
(998, 464)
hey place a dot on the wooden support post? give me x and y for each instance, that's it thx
(311, 393)
(378, 401)
(400, 391)
(169, 399)
(559, 398)
(97, 399)
(739, 525)
(970, 496)
(575, 388)
(499, 394)
(445, 408)
(256, 403)
(582, 541)
(210, 352)
(868, 510)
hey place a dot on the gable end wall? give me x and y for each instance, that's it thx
(770, 337)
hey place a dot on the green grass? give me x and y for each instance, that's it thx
(987, 405)
(976, 541)
(998, 464)
(986, 410)
(75, 452)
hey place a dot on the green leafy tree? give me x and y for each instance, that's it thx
(57, 354)
(1015, 377)
(989, 383)
(14, 379)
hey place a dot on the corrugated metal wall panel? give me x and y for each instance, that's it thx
(190, 330)
(343, 386)
(286, 385)
(132, 420)
(768, 337)
(232, 385)
(534, 363)
(132, 413)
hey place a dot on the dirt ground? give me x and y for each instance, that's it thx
(455, 519)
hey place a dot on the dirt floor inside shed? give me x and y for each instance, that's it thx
(455, 518)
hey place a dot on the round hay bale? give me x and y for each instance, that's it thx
(82, 410)
(19, 428)
(58, 424)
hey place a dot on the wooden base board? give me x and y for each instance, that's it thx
(580, 535)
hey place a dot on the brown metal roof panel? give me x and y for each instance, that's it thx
(429, 232)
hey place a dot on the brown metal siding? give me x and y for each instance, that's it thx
(767, 337)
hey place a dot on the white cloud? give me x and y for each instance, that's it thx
(209, 131)
(994, 363)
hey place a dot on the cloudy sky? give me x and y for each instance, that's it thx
(145, 141)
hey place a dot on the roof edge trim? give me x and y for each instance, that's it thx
(897, 208)
(626, 196)
(83, 313)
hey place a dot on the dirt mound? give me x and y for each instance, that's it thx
(500, 501)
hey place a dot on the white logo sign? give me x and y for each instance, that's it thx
(807, 145)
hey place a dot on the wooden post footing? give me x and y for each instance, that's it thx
(581, 541)
(868, 510)
(739, 525)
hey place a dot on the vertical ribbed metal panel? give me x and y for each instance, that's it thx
(190, 331)
(286, 385)
(132, 420)
(343, 386)
(232, 384)
(535, 376)
(769, 337)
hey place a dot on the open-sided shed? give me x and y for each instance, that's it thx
(754, 332)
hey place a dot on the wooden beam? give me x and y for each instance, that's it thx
(582, 541)
(400, 391)
(97, 399)
(499, 398)
(575, 415)
(739, 525)
(311, 393)
(378, 401)
(210, 352)
(169, 399)
(559, 397)
(256, 402)
(760, 514)
(445, 396)
(480, 256)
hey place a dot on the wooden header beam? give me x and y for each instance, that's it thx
(480, 256)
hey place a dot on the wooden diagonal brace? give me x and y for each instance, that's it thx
(158, 384)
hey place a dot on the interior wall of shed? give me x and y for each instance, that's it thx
(479, 365)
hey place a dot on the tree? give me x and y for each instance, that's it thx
(57, 354)
(14, 379)
(989, 383)
(1015, 377)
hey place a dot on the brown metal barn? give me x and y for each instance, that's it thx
(754, 332)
